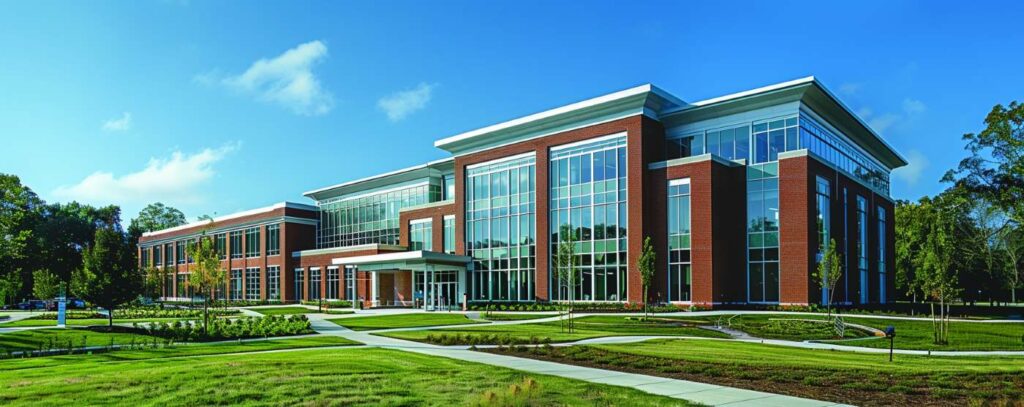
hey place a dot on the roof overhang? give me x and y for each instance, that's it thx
(645, 99)
(418, 172)
(414, 260)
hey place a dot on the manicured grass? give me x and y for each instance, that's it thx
(513, 316)
(31, 322)
(792, 327)
(402, 321)
(962, 335)
(848, 377)
(586, 327)
(58, 338)
(313, 377)
(284, 310)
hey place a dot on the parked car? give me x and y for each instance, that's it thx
(32, 305)
(70, 303)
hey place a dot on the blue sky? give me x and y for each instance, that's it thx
(215, 107)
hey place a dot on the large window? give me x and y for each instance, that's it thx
(221, 245)
(862, 247)
(168, 254)
(370, 218)
(823, 220)
(252, 242)
(145, 257)
(179, 248)
(500, 229)
(588, 199)
(235, 285)
(182, 288)
(448, 234)
(252, 283)
(236, 245)
(157, 252)
(273, 240)
(679, 271)
(333, 283)
(300, 283)
(420, 234)
(314, 284)
(732, 143)
(881, 255)
(448, 184)
(837, 150)
(273, 282)
(771, 137)
(763, 233)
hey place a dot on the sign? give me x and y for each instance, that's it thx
(61, 308)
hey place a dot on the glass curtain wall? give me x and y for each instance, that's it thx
(421, 235)
(862, 247)
(500, 229)
(588, 199)
(881, 255)
(679, 271)
(371, 218)
(763, 232)
(823, 220)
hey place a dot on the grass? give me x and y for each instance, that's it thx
(308, 377)
(402, 321)
(32, 322)
(848, 377)
(586, 327)
(32, 339)
(963, 336)
(284, 310)
(792, 327)
(513, 316)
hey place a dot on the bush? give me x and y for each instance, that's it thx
(330, 303)
(241, 328)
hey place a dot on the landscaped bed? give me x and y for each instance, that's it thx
(314, 377)
(413, 320)
(494, 316)
(297, 310)
(846, 377)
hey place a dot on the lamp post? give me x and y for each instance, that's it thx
(890, 332)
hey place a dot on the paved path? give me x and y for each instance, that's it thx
(702, 393)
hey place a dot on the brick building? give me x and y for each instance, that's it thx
(738, 193)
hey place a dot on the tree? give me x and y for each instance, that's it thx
(646, 264)
(155, 280)
(156, 216)
(1012, 243)
(206, 274)
(109, 276)
(10, 286)
(45, 285)
(19, 213)
(566, 268)
(829, 272)
(941, 257)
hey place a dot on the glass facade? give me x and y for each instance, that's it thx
(588, 196)
(236, 245)
(421, 235)
(371, 218)
(881, 255)
(252, 283)
(862, 247)
(235, 285)
(837, 150)
(448, 234)
(448, 187)
(252, 242)
(273, 240)
(500, 229)
(823, 220)
(679, 270)
(763, 232)
(333, 283)
(273, 282)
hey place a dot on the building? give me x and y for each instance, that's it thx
(739, 194)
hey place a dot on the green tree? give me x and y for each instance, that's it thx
(155, 280)
(1012, 243)
(646, 264)
(206, 274)
(19, 213)
(829, 272)
(910, 235)
(157, 216)
(10, 286)
(109, 276)
(567, 268)
(45, 285)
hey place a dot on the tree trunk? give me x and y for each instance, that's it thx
(110, 319)
(206, 315)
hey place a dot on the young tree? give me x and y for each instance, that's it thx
(1012, 243)
(45, 285)
(156, 279)
(910, 235)
(109, 276)
(10, 286)
(829, 272)
(940, 255)
(566, 268)
(646, 264)
(206, 274)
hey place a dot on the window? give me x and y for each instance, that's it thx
(333, 283)
(824, 223)
(145, 257)
(500, 231)
(588, 200)
(350, 282)
(881, 255)
(252, 242)
(235, 290)
(731, 143)
(169, 285)
(420, 234)
(369, 218)
(190, 245)
(686, 146)
(770, 138)
(314, 284)
(763, 233)
(449, 234)
(300, 283)
(179, 248)
(448, 184)
(840, 152)
(273, 283)
(236, 245)
(273, 240)
(252, 283)
(168, 254)
(219, 245)
(862, 247)
(157, 251)
(182, 288)
(679, 270)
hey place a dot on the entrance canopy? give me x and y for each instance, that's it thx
(415, 260)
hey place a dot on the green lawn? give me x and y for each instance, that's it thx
(792, 327)
(308, 377)
(284, 310)
(962, 335)
(58, 338)
(494, 316)
(586, 327)
(402, 321)
(849, 377)
(83, 322)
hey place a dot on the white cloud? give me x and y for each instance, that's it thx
(124, 123)
(169, 179)
(911, 173)
(286, 80)
(401, 104)
(849, 88)
(913, 106)
(883, 122)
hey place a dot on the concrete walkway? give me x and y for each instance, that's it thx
(702, 393)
